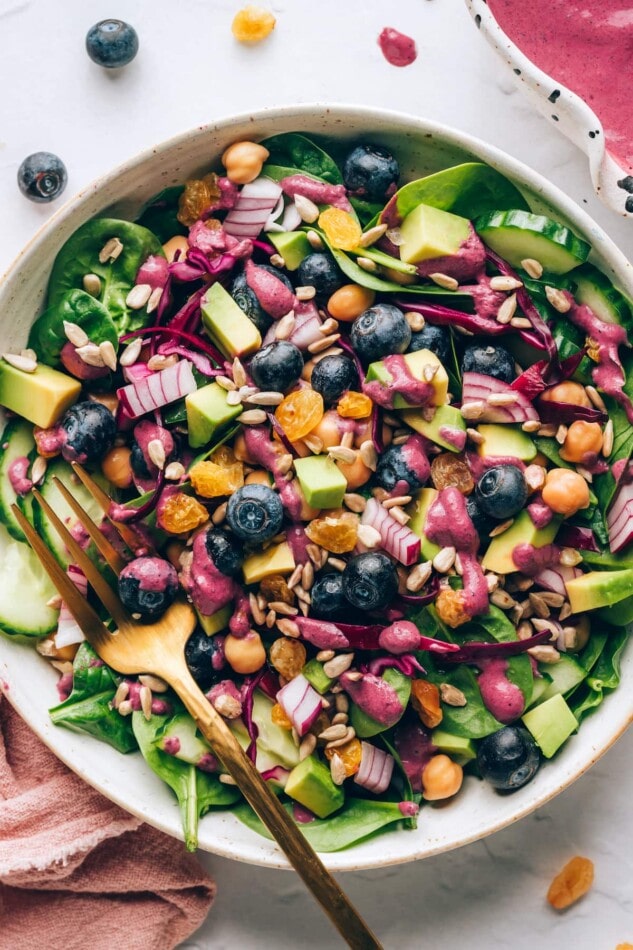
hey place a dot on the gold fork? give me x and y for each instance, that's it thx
(158, 648)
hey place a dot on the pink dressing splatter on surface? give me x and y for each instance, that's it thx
(397, 48)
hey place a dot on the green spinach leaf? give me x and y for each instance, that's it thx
(408, 795)
(500, 628)
(160, 214)
(367, 211)
(296, 151)
(47, 336)
(605, 485)
(603, 678)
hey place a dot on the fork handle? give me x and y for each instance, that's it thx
(299, 852)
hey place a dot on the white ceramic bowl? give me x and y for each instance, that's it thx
(28, 681)
(567, 111)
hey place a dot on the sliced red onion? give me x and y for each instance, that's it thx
(278, 774)
(291, 219)
(272, 224)
(476, 387)
(68, 630)
(301, 703)
(254, 204)
(376, 769)
(307, 328)
(555, 578)
(154, 272)
(620, 518)
(159, 389)
(132, 374)
(577, 536)
(200, 360)
(566, 412)
(396, 539)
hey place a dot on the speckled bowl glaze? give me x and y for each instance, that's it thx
(565, 109)
(29, 682)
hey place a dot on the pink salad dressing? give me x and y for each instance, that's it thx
(402, 636)
(321, 633)
(397, 48)
(209, 589)
(318, 191)
(375, 697)
(531, 561)
(267, 453)
(540, 513)
(467, 264)
(272, 293)
(586, 47)
(402, 383)
(18, 475)
(501, 697)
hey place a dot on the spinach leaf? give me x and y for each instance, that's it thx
(366, 210)
(47, 336)
(604, 560)
(593, 518)
(408, 794)
(469, 190)
(604, 484)
(196, 791)
(159, 214)
(88, 708)
(604, 677)
(356, 820)
(591, 653)
(80, 256)
(500, 628)
(299, 152)
(569, 340)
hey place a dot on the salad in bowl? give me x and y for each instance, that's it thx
(377, 429)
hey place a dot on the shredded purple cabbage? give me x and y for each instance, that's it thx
(199, 360)
(406, 664)
(137, 514)
(353, 355)
(444, 316)
(473, 650)
(576, 536)
(539, 376)
(283, 438)
(265, 247)
(566, 412)
(376, 430)
(171, 331)
(429, 595)
(249, 686)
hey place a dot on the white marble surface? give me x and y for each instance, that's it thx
(190, 71)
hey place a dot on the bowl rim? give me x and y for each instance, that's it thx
(400, 123)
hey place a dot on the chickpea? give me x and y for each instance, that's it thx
(116, 466)
(568, 392)
(175, 244)
(363, 429)
(240, 451)
(441, 778)
(243, 161)
(245, 654)
(260, 477)
(349, 301)
(583, 439)
(109, 400)
(356, 473)
(328, 429)
(565, 491)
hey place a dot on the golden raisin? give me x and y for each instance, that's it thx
(340, 228)
(198, 195)
(252, 24)
(287, 656)
(181, 513)
(450, 607)
(211, 481)
(571, 883)
(350, 753)
(279, 717)
(449, 470)
(425, 699)
(300, 412)
(224, 456)
(353, 405)
(276, 588)
(336, 534)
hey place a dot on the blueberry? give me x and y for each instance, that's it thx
(112, 43)
(501, 492)
(224, 550)
(148, 586)
(137, 461)
(205, 658)
(321, 272)
(42, 176)
(332, 376)
(509, 758)
(277, 366)
(394, 465)
(247, 301)
(255, 513)
(482, 522)
(435, 339)
(490, 361)
(89, 431)
(370, 581)
(328, 600)
(371, 172)
(380, 331)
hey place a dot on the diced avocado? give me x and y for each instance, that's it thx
(415, 364)
(564, 676)
(454, 745)
(599, 589)
(292, 245)
(444, 419)
(498, 557)
(272, 738)
(217, 621)
(277, 559)
(551, 723)
(227, 324)
(313, 672)
(322, 482)
(417, 510)
(310, 784)
(505, 441)
(428, 232)
(41, 397)
(619, 615)
(208, 411)
(181, 739)
(264, 760)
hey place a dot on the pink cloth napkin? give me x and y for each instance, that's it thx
(76, 871)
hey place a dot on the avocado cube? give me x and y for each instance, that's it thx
(551, 723)
(208, 411)
(322, 482)
(417, 511)
(498, 557)
(277, 559)
(429, 232)
(455, 746)
(315, 675)
(599, 589)
(227, 324)
(503, 440)
(292, 245)
(415, 362)
(41, 397)
(447, 427)
(310, 784)
(215, 622)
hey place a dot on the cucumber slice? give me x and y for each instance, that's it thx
(17, 441)
(517, 235)
(565, 675)
(24, 591)
(43, 526)
(594, 289)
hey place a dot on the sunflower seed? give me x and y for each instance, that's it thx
(565, 612)
(548, 431)
(505, 283)
(90, 355)
(502, 399)
(341, 703)
(156, 452)
(307, 746)
(540, 624)
(158, 362)
(558, 299)
(400, 515)
(302, 595)
(38, 470)
(595, 398)
(305, 293)
(350, 733)
(271, 619)
(314, 443)
(239, 373)
(539, 606)
(92, 284)
(226, 779)
(398, 501)
(340, 454)
(285, 326)
(525, 630)
(561, 434)
(74, 333)
(340, 718)
(368, 536)
(520, 323)
(154, 299)
(288, 627)
(418, 576)
(531, 267)
(282, 608)
(544, 653)
(492, 582)
(131, 352)
(337, 770)
(174, 471)
(368, 455)
(507, 309)
(24, 363)
(333, 732)
(314, 553)
(54, 603)
(354, 502)
(314, 240)
(108, 354)
(252, 417)
(570, 557)
(155, 683)
(265, 399)
(125, 708)
(328, 326)
(415, 320)
(444, 561)
(145, 695)
(534, 477)
(334, 668)
(307, 575)
(372, 235)
(451, 695)
(607, 439)
(347, 440)
(138, 296)
(443, 280)
(475, 436)
(532, 425)
(308, 210)
(367, 265)
(473, 410)
(110, 251)
(324, 655)
(500, 528)
(501, 599)
(277, 260)
(323, 344)
(219, 514)
(122, 693)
